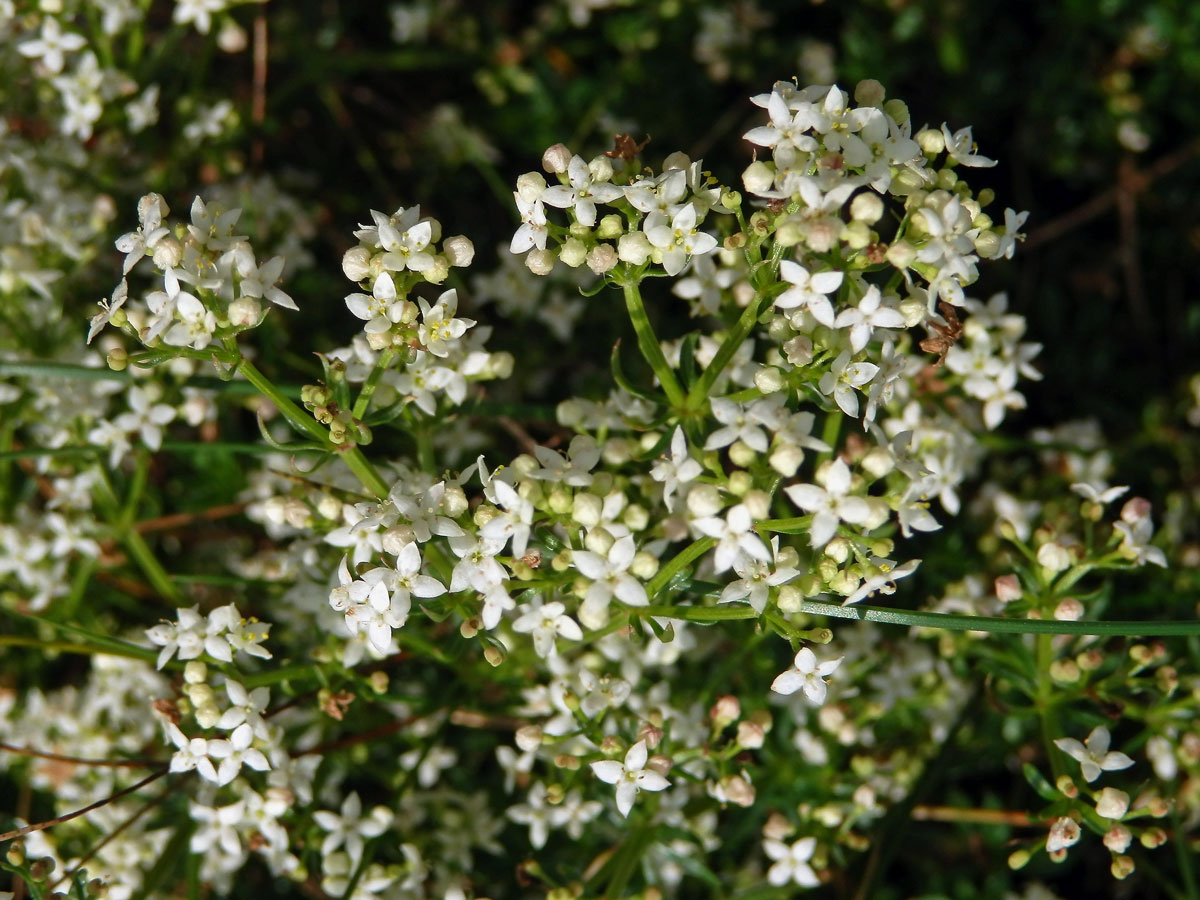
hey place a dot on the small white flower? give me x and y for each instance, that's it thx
(544, 623)
(806, 674)
(1095, 757)
(630, 777)
(791, 862)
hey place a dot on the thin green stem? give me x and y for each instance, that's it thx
(996, 625)
(681, 560)
(299, 419)
(16, 640)
(141, 553)
(365, 472)
(733, 340)
(649, 346)
(368, 389)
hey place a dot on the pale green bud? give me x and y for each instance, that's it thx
(758, 178)
(769, 380)
(740, 481)
(931, 141)
(573, 253)
(644, 565)
(901, 254)
(611, 226)
(866, 207)
(742, 454)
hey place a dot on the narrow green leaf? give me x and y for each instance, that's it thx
(1038, 782)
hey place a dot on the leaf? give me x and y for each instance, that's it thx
(285, 448)
(625, 383)
(388, 413)
(687, 358)
(1039, 783)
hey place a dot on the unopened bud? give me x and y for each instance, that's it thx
(556, 159)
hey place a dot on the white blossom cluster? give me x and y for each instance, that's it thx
(778, 460)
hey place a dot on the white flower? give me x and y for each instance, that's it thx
(544, 622)
(843, 378)
(259, 281)
(678, 240)
(830, 504)
(145, 416)
(582, 194)
(349, 828)
(380, 308)
(866, 317)
(791, 863)
(1098, 493)
(736, 538)
(755, 579)
(630, 777)
(806, 674)
(960, 147)
(808, 291)
(609, 577)
(405, 249)
(884, 579)
(52, 44)
(537, 814)
(1063, 833)
(1095, 757)
(532, 232)
(439, 330)
(678, 468)
(234, 753)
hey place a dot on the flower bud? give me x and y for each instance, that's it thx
(540, 262)
(931, 141)
(530, 186)
(459, 251)
(168, 253)
(869, 92)
(244, 312)
(356, 263)
(602, 258)
(703, 500)
(573, 252)
(901, 254)
(556, 159)
(634, 248)
(866, 208)
(1008, 588)
(609, 227)
(758, 177)
(644, 565)
(1053, 557)
(529, 738)
(1112, 803)
(600, 168)
(1118, 838)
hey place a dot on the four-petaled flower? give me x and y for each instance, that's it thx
(1094, 757)
(806, 674)
(630, 777)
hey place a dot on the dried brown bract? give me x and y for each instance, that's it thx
(944, 336)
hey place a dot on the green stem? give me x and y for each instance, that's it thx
(649, 346)
(745, 323)
(686, 556)
(996, 625)
(121, 521)
(1044, 702)
(365, 472)
(14, 640)
(368, 389)
(136, 546)
(297, 417)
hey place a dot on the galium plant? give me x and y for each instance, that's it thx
(639, 658)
